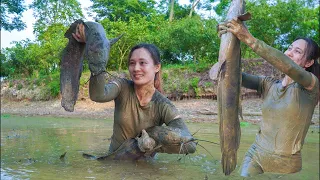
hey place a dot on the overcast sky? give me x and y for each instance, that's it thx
(8, 37)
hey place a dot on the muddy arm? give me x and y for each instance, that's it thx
(174, 138)
(275, 57)
(250, 81)
(282, 62)
(99, 91)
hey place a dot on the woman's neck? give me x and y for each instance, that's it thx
(144, 93)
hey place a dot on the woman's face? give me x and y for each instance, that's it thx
(141, 67)
(296, 52)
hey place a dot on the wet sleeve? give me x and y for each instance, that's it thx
(265, 85)
(100, 91)
(260, 83)
(168, 113)
(283, 63)
(250, 81)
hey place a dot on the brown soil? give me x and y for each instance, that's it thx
(194, 110)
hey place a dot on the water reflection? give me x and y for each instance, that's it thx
(32, 147)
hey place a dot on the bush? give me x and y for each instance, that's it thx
(19, 86)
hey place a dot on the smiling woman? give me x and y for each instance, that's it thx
(141, 110)
(288, 105)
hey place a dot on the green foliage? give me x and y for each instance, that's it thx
(116, 10)
(208, 84)
(50, 12)
(194, 84)
(11, 84)
(222, 7)
(11, 14)
(186, 43)
(50, 49)
(17, 61)
(180, 11)
(135, 31)
(165, 76)
(279, 22)
(54, 87)
(50, 86)
(244, 124)
(181, 81)
(189, 39)
(198, 67)
(19, 86)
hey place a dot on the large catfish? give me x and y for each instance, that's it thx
(73, 55)
(228, 71)
(71, 69)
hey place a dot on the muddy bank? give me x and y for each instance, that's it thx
(194, 110)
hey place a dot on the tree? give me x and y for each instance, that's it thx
(136, 30)
(49, 12)
(116, 10)
(189, 40)
(11, 14)
(279, 22)
(171, 10)
(194, 4)
(16, 60)
(178, 12)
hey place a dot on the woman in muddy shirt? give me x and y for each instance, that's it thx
(140, 108)
(288, 105)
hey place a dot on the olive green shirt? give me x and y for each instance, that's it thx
(286, 111)
(130, 117)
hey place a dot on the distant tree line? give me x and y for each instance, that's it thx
(184, 33)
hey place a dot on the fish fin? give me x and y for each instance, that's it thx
(244, 17)
(215, 70)
(114, 40)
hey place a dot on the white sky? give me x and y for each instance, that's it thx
(8, 37)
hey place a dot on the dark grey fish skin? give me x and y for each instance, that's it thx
(229, 91)
(97, 49)
(71, 69)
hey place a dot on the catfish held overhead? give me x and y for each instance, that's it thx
(96, 46)
(227, 70)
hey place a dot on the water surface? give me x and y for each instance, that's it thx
(31, 148)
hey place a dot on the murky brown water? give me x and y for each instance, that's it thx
(31, 148)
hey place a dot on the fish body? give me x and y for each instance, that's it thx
(128, 150)
(97, 48)
(167, 138)
(70, 70)
(229, 92)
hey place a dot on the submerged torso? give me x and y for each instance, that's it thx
(130, 117)
(287, 113)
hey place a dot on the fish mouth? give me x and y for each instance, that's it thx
(68, 105)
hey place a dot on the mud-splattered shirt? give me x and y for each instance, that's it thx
(130, 117)
(286, 111)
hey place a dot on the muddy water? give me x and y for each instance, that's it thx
(31, 148)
